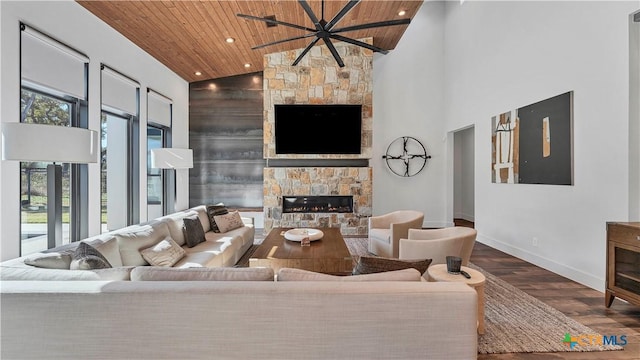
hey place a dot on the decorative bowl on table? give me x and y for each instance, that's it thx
(300, 233)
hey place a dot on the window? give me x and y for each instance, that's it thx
(160, 199)
(155, 178)
(119, 158)
(53, 92)
(39, 108)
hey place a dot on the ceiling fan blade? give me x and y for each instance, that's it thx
(283, 40)
(372, 25)
(310, 13)
(359, 43)
(334, 52)
(341, 14)
(251, 17)
(305, 51)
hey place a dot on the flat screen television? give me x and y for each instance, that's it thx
(318, 129)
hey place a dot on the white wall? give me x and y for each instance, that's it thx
(408, 101)
(72, 24)
(504, 55)
(459, 64)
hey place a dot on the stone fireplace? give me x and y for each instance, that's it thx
(317, 79)
(353, 182)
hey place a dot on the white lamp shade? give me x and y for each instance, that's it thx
(171, 158)
(49, 143)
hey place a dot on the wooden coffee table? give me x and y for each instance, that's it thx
(328, 255)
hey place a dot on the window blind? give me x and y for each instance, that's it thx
(119, 91)
(47, 62)
(158, 108)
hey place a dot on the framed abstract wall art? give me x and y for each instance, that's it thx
(534, 144)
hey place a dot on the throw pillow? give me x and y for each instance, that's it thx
(53, 260)
(164, 253)
(108, 247)
(290, 274)
(228, 222)
(134, 238)
(152, 273)
(193, 231)
(86, 257)
(371, 264)
(212, 211)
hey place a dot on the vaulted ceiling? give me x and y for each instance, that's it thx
(190, 36)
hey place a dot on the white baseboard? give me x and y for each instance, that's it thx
(594, 282)
(463, 216)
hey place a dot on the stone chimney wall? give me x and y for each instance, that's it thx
(318, 79)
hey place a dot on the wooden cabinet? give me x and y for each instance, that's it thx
(623, 262)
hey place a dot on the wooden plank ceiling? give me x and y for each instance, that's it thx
(189, 36)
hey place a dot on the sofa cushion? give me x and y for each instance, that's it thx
(199, 259)
(86, 257)
(373, 264)
(212, 212)
(153, 273)
(39, 274)
(135, 238)
(53, 260)
(175, 223)
(229, 221)
(109, 249)
(164, 253)
(201, 210)
(193, 231)
(290, 274)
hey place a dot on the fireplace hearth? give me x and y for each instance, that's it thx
(317, 204)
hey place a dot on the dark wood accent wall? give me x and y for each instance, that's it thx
(226, 135)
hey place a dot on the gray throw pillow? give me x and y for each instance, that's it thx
(371, 264)
(193, 231)
(215, 210)
(86, 257)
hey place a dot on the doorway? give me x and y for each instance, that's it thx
(463, 175)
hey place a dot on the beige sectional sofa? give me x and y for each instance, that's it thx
(122, 248)
(202, 308)
(304, 317)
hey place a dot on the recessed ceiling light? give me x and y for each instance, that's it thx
(247, 65)
(198, 73)
(402, 12)
(230, 40)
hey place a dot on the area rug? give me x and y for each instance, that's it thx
(516, 322)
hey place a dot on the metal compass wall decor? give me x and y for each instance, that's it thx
(406, 156)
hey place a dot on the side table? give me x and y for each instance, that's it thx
(439, 273)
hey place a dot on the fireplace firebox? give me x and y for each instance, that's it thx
(317, 204)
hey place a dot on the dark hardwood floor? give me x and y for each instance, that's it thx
(573, 299)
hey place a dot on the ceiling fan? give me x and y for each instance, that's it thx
(326, 30)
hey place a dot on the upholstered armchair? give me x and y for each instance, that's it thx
(386, 230)
(437, 244)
